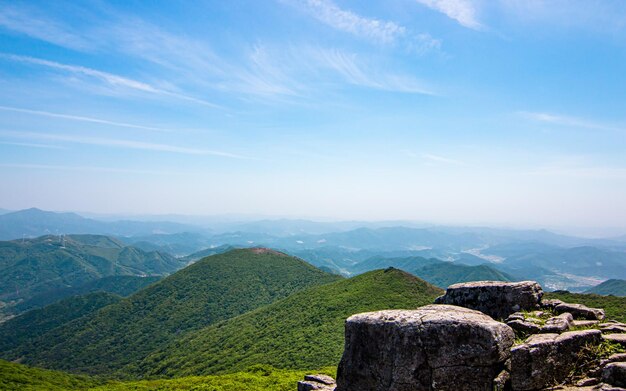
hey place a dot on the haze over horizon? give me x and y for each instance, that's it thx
(504, 113)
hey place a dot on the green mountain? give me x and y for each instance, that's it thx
(213, 289)
(610, 287)
(444, 274)
(404, 263)
(119, 285)
(25, 328)
(33, 266)
(303, 331)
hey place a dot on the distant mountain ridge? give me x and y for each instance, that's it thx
(35, 222)
(613, 287)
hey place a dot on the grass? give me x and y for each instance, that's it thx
(16, 377)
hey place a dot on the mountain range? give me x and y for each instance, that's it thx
(48, 265)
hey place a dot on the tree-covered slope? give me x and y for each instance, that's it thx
(444, 274)
(303, 331)
(613, 287)
(119, 285)
(27, 327)
(16, 377)
(33, 266)
(213, 289)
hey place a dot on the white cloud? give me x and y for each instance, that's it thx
(377, 30)
(441, 159)
(463, 11)
(568, 121)
(88, 169)
(109, 78)
(30, 22)
(356, 71)
(31, 145)
(119, 143)
(79, 118)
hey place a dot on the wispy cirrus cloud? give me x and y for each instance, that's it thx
(119, 143)
(441, 159)
(354, 72)
(372, 29)
(109, 78)
(80, 118)
(463, 11)
(569, 121)
(32, 145)
(89, 169)
(30, 22)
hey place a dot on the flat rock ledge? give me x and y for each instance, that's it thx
(436, 347)
(495, 298)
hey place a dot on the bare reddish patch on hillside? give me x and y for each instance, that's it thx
(263, 250)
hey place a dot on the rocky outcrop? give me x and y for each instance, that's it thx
(548, 359)
(494, 298)
(436, 347)
(461, 347)
(580, 311)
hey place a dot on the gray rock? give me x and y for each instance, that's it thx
(615, 374)
(436, 347)
(502, 381)
(589, 381)
(317, 383)
(324, 379)
(580, 311)
(558, 324)
(617, 357)
(550, 303)
(618, 338)
(547, 359)
(613, 328)
(585, 323)
(515, 316)
(524, 327)
(495, 298)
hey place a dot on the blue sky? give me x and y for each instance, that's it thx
(501, 112)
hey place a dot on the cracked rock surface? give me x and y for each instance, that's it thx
(439, 347)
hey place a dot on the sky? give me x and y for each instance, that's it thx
(499, 112)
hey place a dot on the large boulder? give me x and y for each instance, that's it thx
(436, 347)
(495, 298)
(548, 359)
